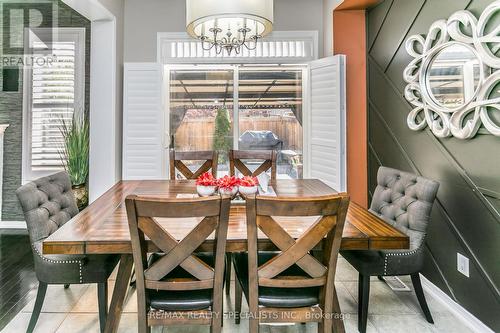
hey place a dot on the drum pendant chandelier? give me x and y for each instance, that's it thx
(229, 24)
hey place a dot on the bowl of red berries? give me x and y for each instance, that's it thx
(228, 185)
(206, 185)
(248, 185)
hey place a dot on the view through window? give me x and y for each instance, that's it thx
(269, 104)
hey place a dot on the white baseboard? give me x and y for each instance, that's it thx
(12, 225)
(465, 316)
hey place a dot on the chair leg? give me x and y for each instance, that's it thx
(253, 307)
(142, 312)
(144, 328)
(325, 326)
(142, 321)
(338, 321)
(363, 300)
(215, 329)
(40, 296)
(417, 285)
(216, 326)
(102, 297)
(229, 260)
(238, 293)
(253, 325)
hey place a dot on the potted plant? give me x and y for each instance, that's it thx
(248, 185)
(75, 155)
(206, 184)
(222, 134)
(228, 185)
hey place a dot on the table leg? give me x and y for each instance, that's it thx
(119, 293)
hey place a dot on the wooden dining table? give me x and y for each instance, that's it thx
(102, 227)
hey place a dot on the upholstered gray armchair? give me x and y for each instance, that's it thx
(405, 201)
(48, 203)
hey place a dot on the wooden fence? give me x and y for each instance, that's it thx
(197, 133)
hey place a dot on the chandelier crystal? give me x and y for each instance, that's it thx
(229, 24)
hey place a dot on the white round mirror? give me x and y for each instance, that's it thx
(453, 76)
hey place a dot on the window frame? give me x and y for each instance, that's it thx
(311, 37)
(306, 107)
(62, 34)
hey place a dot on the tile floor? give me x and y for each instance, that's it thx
(75, 310)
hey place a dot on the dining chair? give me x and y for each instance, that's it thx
(236, 162)
(178, 285)
(237, 157)
(209, 158)
(210, 162)
(403, 200)
(48, 203)
(292, 285)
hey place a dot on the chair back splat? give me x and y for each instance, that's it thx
(294, 266)
(236, 158)
(178, 279)
(209, 158)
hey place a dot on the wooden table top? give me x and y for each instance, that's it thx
(103, 227)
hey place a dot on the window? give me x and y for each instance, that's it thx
(201, 111)
(265, 104)
(242, 107)
(54, 88)
(278, 48)
(270, 114)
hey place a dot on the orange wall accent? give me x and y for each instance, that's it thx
(349, 38)
(356, 4)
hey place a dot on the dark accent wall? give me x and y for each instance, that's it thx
(11, 110)
(465, 218)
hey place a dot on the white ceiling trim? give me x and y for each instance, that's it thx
(93, 10)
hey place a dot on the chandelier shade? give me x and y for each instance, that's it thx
(229, 24)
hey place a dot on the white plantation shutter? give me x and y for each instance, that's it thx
(55, 81)
(143, 122)
(53, 97)
(327, 141)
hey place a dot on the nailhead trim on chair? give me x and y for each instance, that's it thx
(396, 255)
(79, 262)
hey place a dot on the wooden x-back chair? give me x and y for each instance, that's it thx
(236, 158)
(236, 162)
(291, 285)
(210, 159)
(177, 285)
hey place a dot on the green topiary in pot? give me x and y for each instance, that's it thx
(75, 155)
(222, 136)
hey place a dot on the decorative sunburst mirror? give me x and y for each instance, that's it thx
(454, 78)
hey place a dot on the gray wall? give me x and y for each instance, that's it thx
(465, 218)
(11, 109)
(144, 18)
